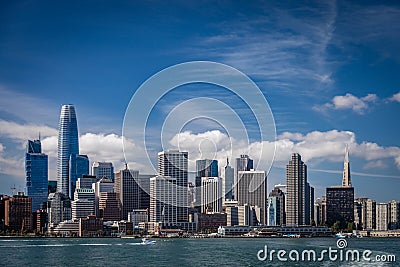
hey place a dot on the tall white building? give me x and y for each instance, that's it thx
(174, 164)
(228, 179)
(211, 194)
(103, 169)
(163, 200)
(252, 190)
(382, 216)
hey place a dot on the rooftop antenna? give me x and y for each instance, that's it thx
(39, 135)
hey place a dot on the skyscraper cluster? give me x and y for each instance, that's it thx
(104, 202)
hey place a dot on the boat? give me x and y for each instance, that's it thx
(340, 235)
(146, 241)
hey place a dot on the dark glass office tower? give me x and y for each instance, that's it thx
(36, 170)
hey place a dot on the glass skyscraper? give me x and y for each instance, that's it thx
(36, 170)
(78, 166)
(68, 145)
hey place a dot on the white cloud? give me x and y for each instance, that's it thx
(316, 145)
(23, 132)
(379, 164)
(395, 97)
(349, 101)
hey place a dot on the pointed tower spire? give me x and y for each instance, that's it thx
(346, 169)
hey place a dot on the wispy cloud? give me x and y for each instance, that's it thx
(293, 57)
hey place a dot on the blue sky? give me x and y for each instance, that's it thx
(329, 71)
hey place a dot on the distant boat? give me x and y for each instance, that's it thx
(340, 235)
(146, 241)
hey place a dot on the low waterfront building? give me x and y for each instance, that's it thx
(90, 226)
(67, 228)
(209, 223)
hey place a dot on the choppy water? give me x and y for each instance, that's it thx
(178, 252)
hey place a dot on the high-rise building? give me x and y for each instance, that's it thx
(340, 199)
(370, 217)
(360, 213)
(339, 205)
(84, 193)
(211, 194)
(206, 168)
(244, 163)
(104, 185)
(310, 205)
(86, 181)
(163, 201)
(228, 179)
(109, 206)
(320, 211)
(58, 208)
(346, 181)
(138, 216)
(18, 213)
(174, 164)
(132, 190)
(36, 170)
(68, 145)
(103, 169)
(394, 214)
(78, 166)
(252, 190)
(276, 208)
(382, 217)
(298, 201)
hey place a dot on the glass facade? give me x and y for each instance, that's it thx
(36, 170)
(78, 166)
(68, 144)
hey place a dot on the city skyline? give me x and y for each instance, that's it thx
(329, 73)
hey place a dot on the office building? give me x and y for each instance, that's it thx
(370, 217)
(276, 208)
(109, 207)
(382, 217)
(228, 179)
(211, 194)
(104, 185)
(174, 164)
(36, 170)
(340, 199)
(68, 145)
(394, 214)
(163, 201)
(205, 168)
(78, 167)
(86, 182)
(132, 190)
(339, 205)
(244, 163)
(298, 201)
(18, 213)
(242, 215)
(81, 208)
(252, 190)
(103, 169)
(138, 216)
(58, 208)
